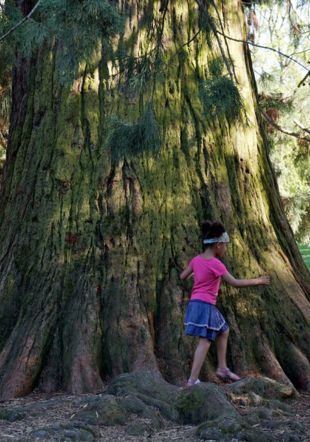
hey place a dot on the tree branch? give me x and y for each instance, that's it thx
(301, 127)
(190, 40)
(304, 79)
(148, 54)
(285, 131)
(234, 76)
(263, 47)
(27, 17)
(300, 52)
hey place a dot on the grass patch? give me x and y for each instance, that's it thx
(305, 253)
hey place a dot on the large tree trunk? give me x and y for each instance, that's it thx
(91, 246)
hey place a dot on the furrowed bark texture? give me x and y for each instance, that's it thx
(91, 247)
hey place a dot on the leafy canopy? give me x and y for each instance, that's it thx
(75, 27)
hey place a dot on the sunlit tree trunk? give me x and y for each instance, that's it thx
(92, 243)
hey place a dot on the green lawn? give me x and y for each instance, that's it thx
(305, 251)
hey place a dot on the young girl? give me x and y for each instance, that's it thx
(202, 317)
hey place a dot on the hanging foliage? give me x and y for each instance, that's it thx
(220, 98)
(131, 139)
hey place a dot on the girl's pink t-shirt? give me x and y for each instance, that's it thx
(207, 278)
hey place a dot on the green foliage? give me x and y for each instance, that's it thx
(275, 102)
(131, 139)
(206, 21)
(28, 36)
(138, 72)
(144, 69)
(216, 66)
(305, 253)
(220, 98)
(286, 104)
(293, 173)
(219, 95)
(77, 27)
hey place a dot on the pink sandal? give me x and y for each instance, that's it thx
(191, 382)
(226, 375)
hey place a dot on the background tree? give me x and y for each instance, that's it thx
(284, 95)
(121, 141)
(5, 99)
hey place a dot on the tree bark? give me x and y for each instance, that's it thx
(91, 247)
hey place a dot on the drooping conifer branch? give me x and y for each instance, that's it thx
(263, 47)
(22, 21)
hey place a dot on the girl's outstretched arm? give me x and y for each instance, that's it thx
(187, 272)
(261, 280)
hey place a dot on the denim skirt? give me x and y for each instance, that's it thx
(204, 320)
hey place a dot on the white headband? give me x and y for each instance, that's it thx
(223, 238)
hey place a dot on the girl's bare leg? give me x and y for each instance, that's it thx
(199, 357)
(221, 346)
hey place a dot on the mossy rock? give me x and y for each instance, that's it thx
(11, 414)
(264, 413)
(264, 387)
(252, 419)
(203, 402)
(166, 409)
(149, 383)
(247, 399)
(134, 405)
(206, 432)
(290, 437)
(139, 429)
(225, 429)
(275, 404)
(148, 387)
(74, 432)
(104, 410)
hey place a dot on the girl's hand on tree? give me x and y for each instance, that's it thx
(263, 280)
(187, 273)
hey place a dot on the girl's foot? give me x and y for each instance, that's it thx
(192, 382)
(226, 375)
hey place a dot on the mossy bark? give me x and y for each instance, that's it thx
(91, 247)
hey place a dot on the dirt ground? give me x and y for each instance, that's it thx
(38, 411)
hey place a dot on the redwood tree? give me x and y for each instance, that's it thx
(110, 169)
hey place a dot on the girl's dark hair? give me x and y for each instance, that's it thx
(211, 230)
